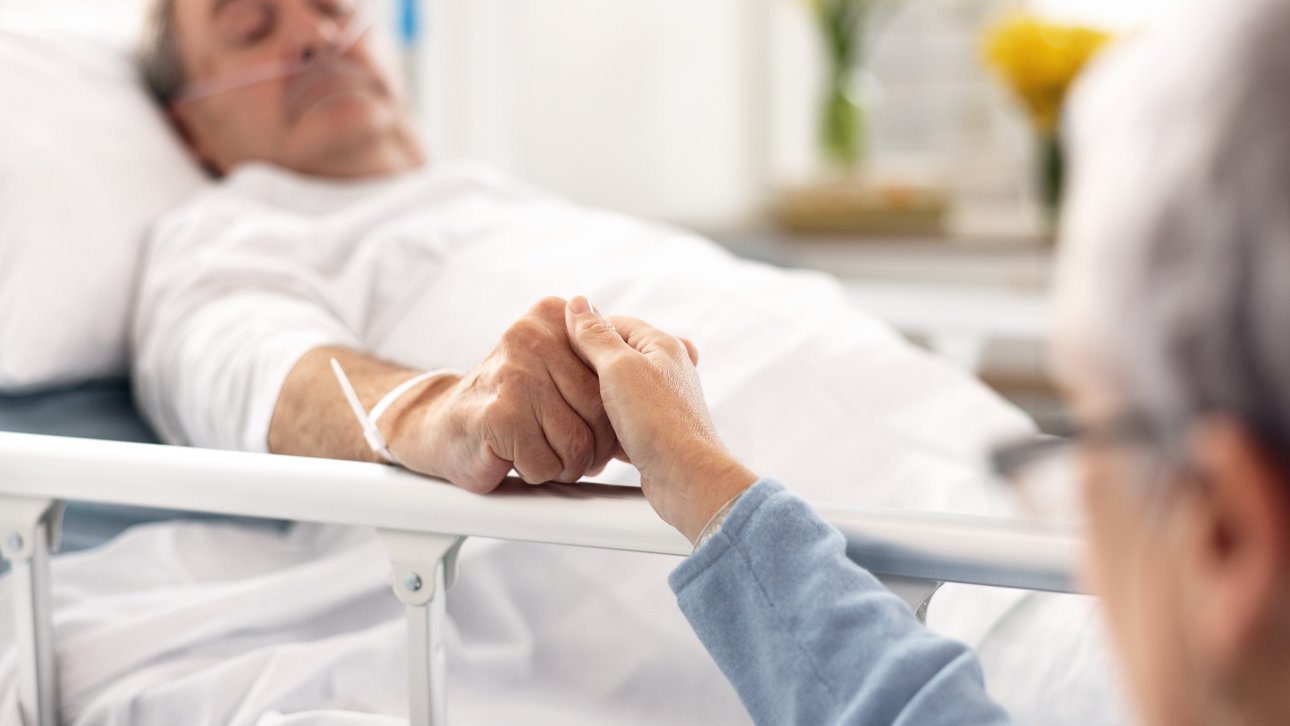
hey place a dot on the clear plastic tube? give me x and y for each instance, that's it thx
(264, 72)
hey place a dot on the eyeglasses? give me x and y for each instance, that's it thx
(1044, 470)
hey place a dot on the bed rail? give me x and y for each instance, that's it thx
(423, 521)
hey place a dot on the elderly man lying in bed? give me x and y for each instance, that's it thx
(327, 227)
(331, 236)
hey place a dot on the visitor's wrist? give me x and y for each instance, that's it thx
(712, 481)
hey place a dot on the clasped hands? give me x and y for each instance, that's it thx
(565, 391)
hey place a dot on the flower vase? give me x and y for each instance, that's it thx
(1050, 170)
(842, 123)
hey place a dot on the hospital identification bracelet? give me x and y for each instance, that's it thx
(367, 420)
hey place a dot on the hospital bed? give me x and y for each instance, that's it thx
(73, 461)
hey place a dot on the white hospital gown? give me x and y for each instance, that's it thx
(428, 269)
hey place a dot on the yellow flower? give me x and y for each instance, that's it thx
(1040, 60)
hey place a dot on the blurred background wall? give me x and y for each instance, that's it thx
(688, 110)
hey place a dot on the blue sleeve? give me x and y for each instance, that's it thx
(808, 637)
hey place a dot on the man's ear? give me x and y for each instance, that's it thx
(1235, 542)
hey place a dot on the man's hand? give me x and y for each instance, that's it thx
(651, 393)
(532, 404)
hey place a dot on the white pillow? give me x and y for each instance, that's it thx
(87, 162)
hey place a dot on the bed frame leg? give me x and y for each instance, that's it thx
(424, 566)
(427, 659)
(28, 534)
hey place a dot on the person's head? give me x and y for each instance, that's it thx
(341, 113)
(1174, 314)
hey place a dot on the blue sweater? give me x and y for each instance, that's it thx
(808, 637)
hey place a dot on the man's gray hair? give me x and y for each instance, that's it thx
(1178, 227)
(159, 57)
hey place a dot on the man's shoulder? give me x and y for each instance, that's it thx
(272, 187)
(202, 214)
(264, 192)
(253, 189)
(207, 204)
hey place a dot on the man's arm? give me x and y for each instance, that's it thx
(312, 417)
(232, 351)
(531, 405)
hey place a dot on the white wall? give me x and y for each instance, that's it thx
(642, 105)
(692, 110)
(687, 110)
(1121, 14)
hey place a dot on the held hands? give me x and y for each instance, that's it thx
(564, 391)
(532, 405)
(650, 391)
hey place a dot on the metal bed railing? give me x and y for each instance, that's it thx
(423, 523)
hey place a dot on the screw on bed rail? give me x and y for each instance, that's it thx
(412, 581)
(15, 542)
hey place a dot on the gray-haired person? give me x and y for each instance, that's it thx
(1173, 349)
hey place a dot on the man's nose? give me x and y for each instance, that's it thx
(309, 32)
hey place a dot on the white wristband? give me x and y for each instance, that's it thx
(367, 420)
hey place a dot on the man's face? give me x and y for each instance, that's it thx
(339, 114)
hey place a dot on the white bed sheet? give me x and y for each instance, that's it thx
(199, 623)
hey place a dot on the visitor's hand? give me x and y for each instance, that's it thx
(532, 404)
(651, 392)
